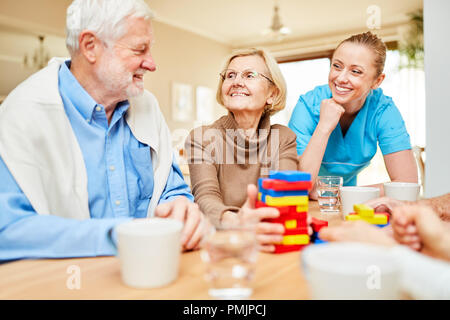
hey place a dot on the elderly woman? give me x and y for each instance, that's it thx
(339, 124)
(233, 152)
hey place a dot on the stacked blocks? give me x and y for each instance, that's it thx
(288, 192)
(317, 225)
(366, 213)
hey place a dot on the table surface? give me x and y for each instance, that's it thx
(278, 276)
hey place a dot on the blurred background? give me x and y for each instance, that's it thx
(193, 37)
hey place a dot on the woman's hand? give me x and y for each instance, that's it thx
(330, 114)
(267, 233)
(420, 228)
(384, 204)
(357, 231)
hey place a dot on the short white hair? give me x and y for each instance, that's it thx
(104, 17)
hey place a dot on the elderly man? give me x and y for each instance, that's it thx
(83, 147)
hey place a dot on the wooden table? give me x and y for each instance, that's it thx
(277, 277)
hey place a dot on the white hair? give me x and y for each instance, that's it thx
(104, 17)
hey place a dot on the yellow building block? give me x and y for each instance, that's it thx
(352, 217)
(302, 208)
(376, 219)
(259, 196)
(287, 201)
(363, 210)
(290, 224)
(295, 239)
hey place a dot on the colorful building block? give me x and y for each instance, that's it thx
(295, 239)
(290, 175)
(287, 191)
(299, 217)
(363, 210)
(290, 224)
(280, 248)
(280, 185)
(382, 225)
(285, 201)
(318, 224)
(378, 218)
(296, 231)
(274, 193)
(317, 239)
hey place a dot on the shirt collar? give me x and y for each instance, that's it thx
(79, 97)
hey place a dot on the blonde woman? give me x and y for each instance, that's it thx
(237, 149)
(339, 124)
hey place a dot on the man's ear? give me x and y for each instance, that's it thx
(90, 45)
(378, 81)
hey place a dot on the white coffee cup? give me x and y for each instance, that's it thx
(356, 195)
(351, 271)
(405, 191)
(149, 251)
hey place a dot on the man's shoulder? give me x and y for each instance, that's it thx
(41, 87)
(146, 100)
(145, 106)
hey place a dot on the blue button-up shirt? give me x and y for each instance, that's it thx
(120, 185)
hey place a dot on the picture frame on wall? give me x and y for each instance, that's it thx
(182, 105)
(205, 101)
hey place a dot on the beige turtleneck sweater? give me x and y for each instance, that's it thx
(223, 161)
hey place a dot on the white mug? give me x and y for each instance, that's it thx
(356, 195)
(149, 251)
(405, 191)
(343, 270)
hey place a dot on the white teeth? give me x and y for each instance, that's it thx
(238, 94)
(342, 89)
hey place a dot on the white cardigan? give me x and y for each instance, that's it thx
(41, 151)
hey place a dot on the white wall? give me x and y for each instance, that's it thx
(437, 86)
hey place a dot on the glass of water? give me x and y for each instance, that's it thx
(230, 256)
(328, 193)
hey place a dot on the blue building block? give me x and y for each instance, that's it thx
(260, 187)
(290, 175)
(382, 225)
(316, 239)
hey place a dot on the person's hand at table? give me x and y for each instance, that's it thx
(357, 231)
(267, 233)
(420, 228)
(384, 204)
(196, 225)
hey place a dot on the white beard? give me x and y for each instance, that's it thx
(117, 80)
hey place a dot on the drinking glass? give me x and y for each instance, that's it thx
(328, 193)
(230, 256)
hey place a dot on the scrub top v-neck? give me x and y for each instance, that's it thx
(378, 121)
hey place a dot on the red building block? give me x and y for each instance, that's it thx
(286, 215)
(300, 230)
(280, 185)
(318, 224)
(288, 248)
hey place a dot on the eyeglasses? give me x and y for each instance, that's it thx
(247, 75)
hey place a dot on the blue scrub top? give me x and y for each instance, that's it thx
(378, 121)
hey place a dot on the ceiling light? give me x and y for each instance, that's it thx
(276, 30)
